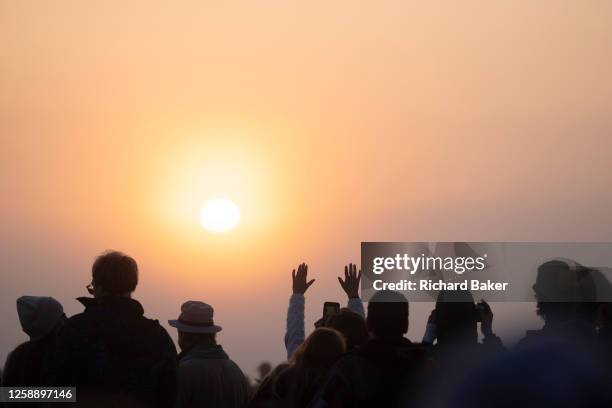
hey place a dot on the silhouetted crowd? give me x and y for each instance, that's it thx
(116, 357)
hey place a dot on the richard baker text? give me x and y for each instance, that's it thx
(431, 285)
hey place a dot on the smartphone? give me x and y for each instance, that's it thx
(330, 309)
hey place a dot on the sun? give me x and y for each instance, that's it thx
(220, 215)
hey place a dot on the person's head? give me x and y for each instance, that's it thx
(387, 314)
(565, 290)
(114, 274)
(351, 325)
(264, 369)
(196, 326)
(456, 317)
(313, 359)
(40, 316)
(321, 349)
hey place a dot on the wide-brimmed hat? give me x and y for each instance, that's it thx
(39, 315)
(196, 317)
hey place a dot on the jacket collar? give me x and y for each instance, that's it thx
(207, 352)
(120, 303)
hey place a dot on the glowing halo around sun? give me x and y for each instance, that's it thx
(220, 215)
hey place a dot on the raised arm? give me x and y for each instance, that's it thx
(294, 336)
(350, 285)
(490, 339)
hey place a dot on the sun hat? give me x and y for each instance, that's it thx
(38, 315)
(196, 317)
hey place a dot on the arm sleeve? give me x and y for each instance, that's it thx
(294, 336)
(356, 306)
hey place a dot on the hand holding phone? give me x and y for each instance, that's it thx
(330, 309)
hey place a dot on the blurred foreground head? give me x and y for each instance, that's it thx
(550, 374)
(114, 274)
(387, 314)
(264, 369)
(565, 290)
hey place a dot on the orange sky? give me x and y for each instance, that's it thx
(328, 124)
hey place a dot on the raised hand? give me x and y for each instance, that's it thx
(350, 284)
(300, 285)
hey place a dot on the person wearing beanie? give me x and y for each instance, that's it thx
(41, 318)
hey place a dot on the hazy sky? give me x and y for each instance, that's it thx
(329, 123)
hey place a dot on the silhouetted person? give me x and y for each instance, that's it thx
(263, 369)
(454, 322)
(559, 365)
(294, 384)
(272, 390)
(566, 300)
(41, 318)
(454, 325)
(111, 350)
(316, 356)
(385, 369)
(207, 376)
(295, 333)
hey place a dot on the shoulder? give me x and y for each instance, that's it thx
(531, 336)
(161, 332)
(155, 327)
(233, 367)
(22, 347)
(158, 335)
(77, 322)
(76, 319)
(19, 351)
(76, 325)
